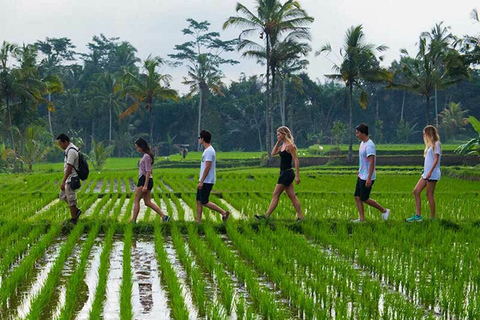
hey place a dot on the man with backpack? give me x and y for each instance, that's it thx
(71, 180)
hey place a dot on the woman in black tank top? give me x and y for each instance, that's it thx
(288, 152)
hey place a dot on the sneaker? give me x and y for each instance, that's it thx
(73, 221)
(385, 215)
(226, 216)
(165, 218)
(414, 218)
(357, 221)
(299, 220)
(260, 216)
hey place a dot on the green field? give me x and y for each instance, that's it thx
(324, 267)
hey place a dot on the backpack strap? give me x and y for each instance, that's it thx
(66, 154)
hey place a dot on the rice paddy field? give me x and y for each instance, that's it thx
(322, 268)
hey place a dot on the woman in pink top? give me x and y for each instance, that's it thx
(145, 182)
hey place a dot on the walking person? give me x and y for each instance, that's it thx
(207, 178)
(431, 173)
(70, 167)
(145, 182)
(366, 174)
(285, 146)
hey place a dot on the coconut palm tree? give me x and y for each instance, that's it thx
(273, 22)
(146, 88)
(105, 92)
(359, 65)
(453, 119)
(436, 66)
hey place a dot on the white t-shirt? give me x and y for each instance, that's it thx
(366, 149)
(428, 163)
(71, 157)
(208, 155)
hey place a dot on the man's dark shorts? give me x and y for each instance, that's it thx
(141, 182)
(204, 193)
(362, 191)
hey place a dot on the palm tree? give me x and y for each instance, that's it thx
(105, 91)
(203, 58)
(436, 66)
(473, 145)
(273, 22)
(453, 119)
(359, 65)
(146, 88)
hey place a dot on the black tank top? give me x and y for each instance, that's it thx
(285, 160)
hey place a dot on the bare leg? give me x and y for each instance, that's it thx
(376, 205)
(421, 184)
(136, 204)
(73, 211)
(431, 200)
(147, 198)
(276, 195)
(199, 211)
(214, 207)
(361, 211)
(296, 203)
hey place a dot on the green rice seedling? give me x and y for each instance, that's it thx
(206, 258)
(25, 268)
(126, 311)
(103, 269)
(263, 299)
(179, 309)
(45, 293)
(20, 247)
(77, 277)
(194, 273)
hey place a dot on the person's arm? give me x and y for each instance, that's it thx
(293, 151)
(435, 161)
(208, 165)
(276, 148)
(371, 168)
(68, 172)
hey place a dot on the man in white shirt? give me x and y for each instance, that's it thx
(207, 178)
(70, 162)
(366, 174)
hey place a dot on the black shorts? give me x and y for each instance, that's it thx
(204, 193)
(286, 177)
(362, 191)
(429, 180)
(141, 182)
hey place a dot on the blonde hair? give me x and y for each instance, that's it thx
(430, 138)
(288, 135)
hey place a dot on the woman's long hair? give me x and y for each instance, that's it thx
(145, 148)
(288, 135)
(430, 138)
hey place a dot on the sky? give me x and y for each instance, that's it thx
(154, 26)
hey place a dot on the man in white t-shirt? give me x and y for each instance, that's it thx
(70, 165)
(366, 174)
(207, 178)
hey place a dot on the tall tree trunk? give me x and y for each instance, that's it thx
(403, 106)
(350, 144)
(281, 98)
(267, 106)
(436, 108)
(427, 111)
(200, 106)
(50, 116)
(151, 125)
(110, 125)
(10, 126)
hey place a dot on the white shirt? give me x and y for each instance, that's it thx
(71, 157)
(428, 163)
(208, 155)
(366, 150)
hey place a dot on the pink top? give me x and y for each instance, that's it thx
(145, 165)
